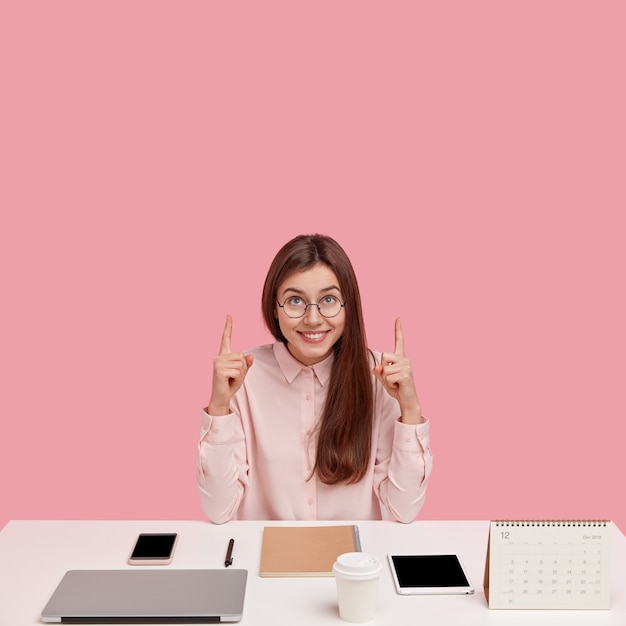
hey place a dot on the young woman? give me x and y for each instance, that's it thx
(314, 426)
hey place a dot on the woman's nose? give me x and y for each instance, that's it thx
(312, 314)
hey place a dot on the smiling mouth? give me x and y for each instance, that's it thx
(314, 336)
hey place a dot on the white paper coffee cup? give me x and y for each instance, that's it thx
(357, 575)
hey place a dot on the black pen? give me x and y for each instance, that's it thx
(229, 553)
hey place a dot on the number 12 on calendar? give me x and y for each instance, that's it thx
(548, 564)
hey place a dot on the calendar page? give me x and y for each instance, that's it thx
(548, 564)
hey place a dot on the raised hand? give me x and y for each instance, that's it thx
(396, 375)
(229, 372)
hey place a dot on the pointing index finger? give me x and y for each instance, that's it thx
(399, 339)
(226, 335)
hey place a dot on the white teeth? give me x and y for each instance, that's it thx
(313, 335)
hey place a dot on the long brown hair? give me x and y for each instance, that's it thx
(345, 432)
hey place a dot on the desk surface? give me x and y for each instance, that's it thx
(34, 555)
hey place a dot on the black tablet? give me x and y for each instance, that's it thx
(429, 574)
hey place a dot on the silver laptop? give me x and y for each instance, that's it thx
(182, 596)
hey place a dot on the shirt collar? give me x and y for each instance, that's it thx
(291, 367)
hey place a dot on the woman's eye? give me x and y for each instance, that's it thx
(329, 300)
(295, 301)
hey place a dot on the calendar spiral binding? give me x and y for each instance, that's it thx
(582, 523)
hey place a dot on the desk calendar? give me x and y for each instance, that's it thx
(548, 564)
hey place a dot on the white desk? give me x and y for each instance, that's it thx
(34, 555)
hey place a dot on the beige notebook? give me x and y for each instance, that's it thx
(305, 550)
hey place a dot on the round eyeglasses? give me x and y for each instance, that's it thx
(295, 306)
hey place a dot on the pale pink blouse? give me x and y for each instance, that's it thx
(255, 463)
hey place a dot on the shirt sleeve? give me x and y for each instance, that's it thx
(403, 463)
(221, 467)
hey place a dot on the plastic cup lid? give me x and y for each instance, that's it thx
(357, 565)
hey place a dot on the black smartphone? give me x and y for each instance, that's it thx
(429, 574)
(153, 549)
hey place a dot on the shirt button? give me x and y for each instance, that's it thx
(307, 397)
(408, 440)
(310, 501)
(215, 429)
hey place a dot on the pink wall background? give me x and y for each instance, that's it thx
(470, 157)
